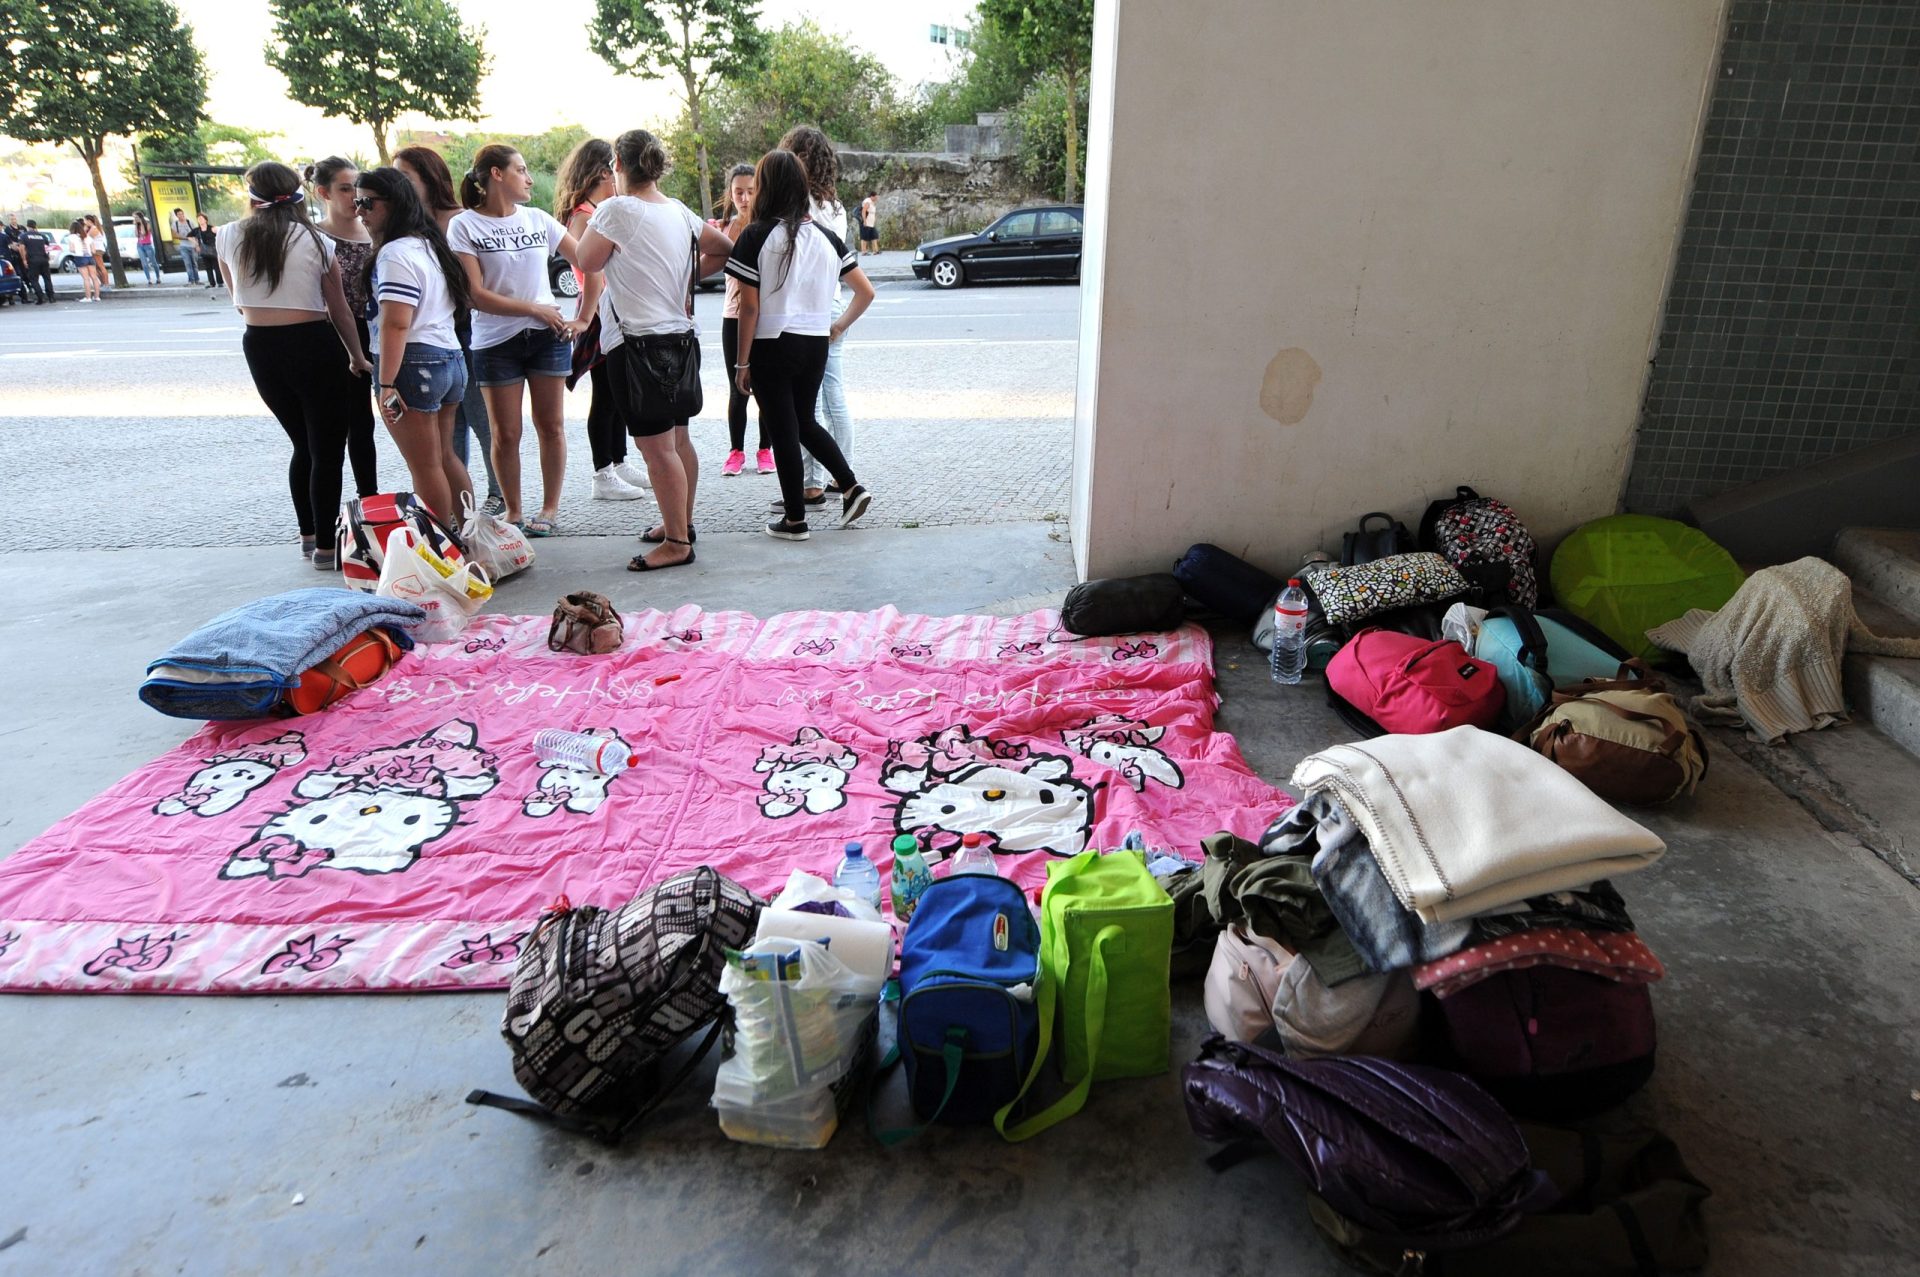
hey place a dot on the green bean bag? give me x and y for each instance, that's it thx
(1627, 573)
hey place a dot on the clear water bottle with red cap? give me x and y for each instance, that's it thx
(974, 857)
(1290, 633)
(583, 751)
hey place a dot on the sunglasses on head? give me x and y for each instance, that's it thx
(365, 202)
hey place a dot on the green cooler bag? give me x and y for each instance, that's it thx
(1630, 573)
(1106, 943)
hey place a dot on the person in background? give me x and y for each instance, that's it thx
(817, 157)
(870, 225)
(203, 244)
(285, 283)
(788, 266)
(96, 241)
(76, 248)
(332, 183)
(586, 178)
(520, 338)
(183, 240)
(149, 255)
(433, 183)
(10, 236)
(35, 249)
(645, 243)
(419, 287)
(740, 202)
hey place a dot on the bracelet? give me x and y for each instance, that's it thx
(739, 366)
(386, 385)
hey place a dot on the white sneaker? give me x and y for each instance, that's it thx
(607, 486)
(634, 477)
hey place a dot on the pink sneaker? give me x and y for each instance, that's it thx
(764, 461)
(736, 462)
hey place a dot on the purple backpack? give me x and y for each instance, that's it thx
(1552, 1043)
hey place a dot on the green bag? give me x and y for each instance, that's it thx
(1106, 941)
(1629, 573)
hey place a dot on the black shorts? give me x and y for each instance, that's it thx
(628, 411)
(869, 232)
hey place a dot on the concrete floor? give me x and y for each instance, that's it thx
(172, 1135)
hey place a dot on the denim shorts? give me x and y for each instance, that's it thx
(431, 377)
(531, 352)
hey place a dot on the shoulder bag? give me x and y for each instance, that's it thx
(662, 370)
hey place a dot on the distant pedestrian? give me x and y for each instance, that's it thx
(788, 267)
(332, 183)
(585, 182)
(35, 248)
(302, 348)
(740, 200)
(870, 225)
(183, 241)
(149, 255)
(203, 244)
(81, 256)
(652, 250)
(421, 377)
(822, 164)
(433, 183)
(522, 344)
(96, 242)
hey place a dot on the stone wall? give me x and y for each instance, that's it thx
(923, 195)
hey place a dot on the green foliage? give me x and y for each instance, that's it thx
(212, 143)
(1051, 37)
(370, 60)
(543, 153)
(1040, 139)
(991, 79)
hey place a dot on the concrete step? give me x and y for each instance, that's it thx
(1885, 690)
(1884, 562)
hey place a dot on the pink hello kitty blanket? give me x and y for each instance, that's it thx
(408, 839)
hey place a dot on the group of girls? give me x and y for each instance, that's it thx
(375, 298)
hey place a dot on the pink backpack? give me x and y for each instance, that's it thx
(1415, 685)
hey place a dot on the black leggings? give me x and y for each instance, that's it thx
(301, 373)
(360, 451)
(736, 402)
(787, 372)
(604, 433)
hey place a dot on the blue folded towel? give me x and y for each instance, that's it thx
(238, 664)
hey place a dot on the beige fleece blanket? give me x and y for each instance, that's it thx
(1772, 655)
(1464, 821)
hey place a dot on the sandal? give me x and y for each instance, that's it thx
(540, 526)
(638, 563)
(655, 535)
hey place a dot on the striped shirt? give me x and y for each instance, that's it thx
(796, 295)
(407, 271)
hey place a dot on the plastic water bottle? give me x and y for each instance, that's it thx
(911, 876)
(858, 875)
(973, 857)
(1290, 633)
(583, 752)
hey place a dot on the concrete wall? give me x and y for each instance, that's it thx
(1346, 254)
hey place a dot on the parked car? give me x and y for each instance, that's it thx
(12, 287)
(560, 275)
(1029, 243)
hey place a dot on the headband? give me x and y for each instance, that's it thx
(261, 201)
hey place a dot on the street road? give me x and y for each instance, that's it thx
(134, 422)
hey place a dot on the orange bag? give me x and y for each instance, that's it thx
(365, 658)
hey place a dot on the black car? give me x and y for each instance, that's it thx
(1028, 243)
(560, 275)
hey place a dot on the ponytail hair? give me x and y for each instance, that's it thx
(321, 173)
(473, 183)
(642, 158)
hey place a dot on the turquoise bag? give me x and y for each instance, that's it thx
(1535, 652)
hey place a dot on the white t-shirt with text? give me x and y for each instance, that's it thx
(512, 252)
(651, 268)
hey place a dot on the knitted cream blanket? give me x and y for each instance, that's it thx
(1772, 655)
(1464, 821)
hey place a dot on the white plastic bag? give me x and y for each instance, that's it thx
(449, 594)
(804, 889)
(798, 1012)
(492, 542)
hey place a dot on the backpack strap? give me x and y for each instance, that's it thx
(952, 1051)
(1675, 737)
(1533, 639)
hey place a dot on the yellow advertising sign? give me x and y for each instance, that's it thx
(168, 194)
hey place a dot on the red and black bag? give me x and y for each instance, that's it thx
(1485, 539)
(365, 524)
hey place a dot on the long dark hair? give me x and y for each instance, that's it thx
(434, 175)
(473, 183)
(819, 159)
(780, 195)
(278, 207)
(407, 216)
(580, 172)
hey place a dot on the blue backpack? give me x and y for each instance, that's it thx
(969, 973)
(1535, 652)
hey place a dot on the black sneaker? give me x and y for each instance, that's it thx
(812, 503)
(854, 504)
(781, 530)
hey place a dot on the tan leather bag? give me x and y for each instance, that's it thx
(1626, 739)
(586, 623)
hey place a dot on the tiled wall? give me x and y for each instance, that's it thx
(1793, 329)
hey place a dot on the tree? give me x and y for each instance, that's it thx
(989, 78)
(370, 60)
(704, 42)
(1051, 35)
(81, 73)
(211, 143)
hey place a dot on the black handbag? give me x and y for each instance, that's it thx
(1125, 605)
(1370, 543)
(662, 370)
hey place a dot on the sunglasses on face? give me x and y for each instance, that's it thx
(365, 202)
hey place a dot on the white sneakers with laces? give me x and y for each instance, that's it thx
(609, 486)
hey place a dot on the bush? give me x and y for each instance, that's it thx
(1039, 125)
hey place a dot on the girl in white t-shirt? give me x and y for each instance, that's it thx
(822, 163)
(420, 376)
(519, 336)
(646, 245)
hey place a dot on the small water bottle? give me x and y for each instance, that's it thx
(973, 857)
(911, 876)
(1290, 633)
(583, 752)
(858, 875)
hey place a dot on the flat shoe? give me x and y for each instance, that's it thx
(654, 536)
(638, 563)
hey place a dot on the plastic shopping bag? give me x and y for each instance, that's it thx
(450, 591)
(805, 889)
(799, 1015)
(492, 542)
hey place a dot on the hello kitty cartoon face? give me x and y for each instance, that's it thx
(1127, 746)
(371, 812)
(809, 775)
(228, 778)
(563, 787)
(953, 783)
